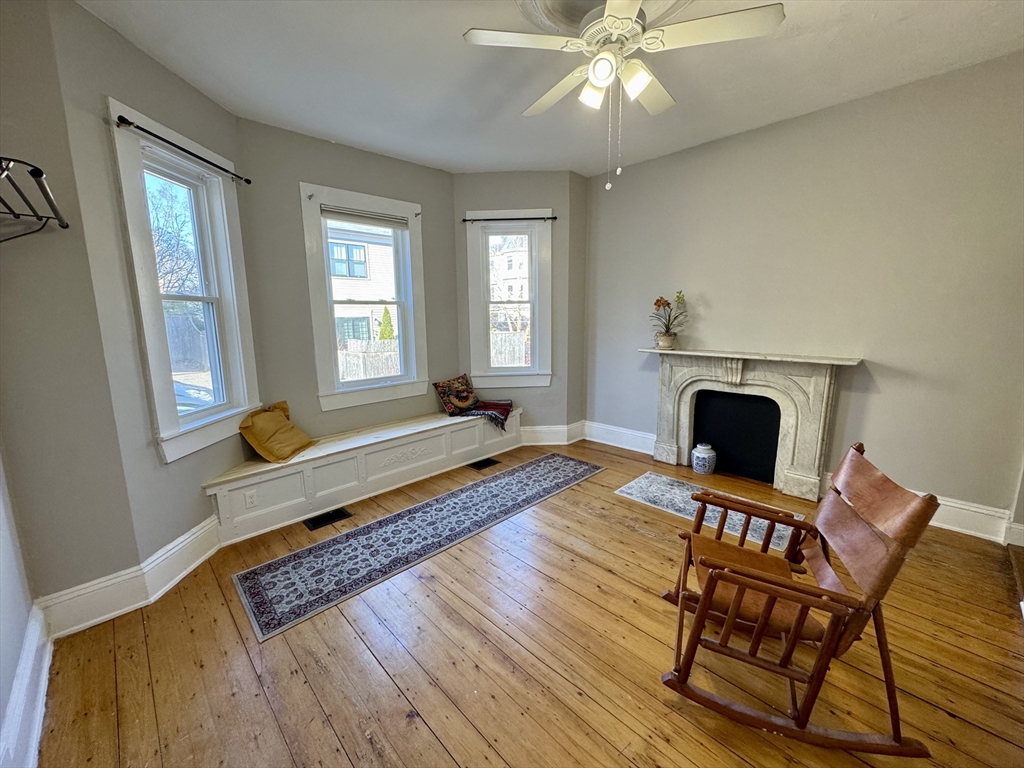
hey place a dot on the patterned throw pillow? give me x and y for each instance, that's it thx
(457, 395)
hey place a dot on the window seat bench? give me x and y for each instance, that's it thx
(258, 496)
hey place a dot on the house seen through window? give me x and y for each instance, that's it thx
(510, 305)
(347, 259)
(367, 311)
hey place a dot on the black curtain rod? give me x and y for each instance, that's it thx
(124, 122)
(516, 218)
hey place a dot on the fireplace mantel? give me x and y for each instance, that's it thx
(757, 356)
(803, 387)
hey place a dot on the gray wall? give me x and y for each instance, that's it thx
(15, 598)
(64, 466)
(576, 355)
(275, 259)
(888, 228)
(565, 194)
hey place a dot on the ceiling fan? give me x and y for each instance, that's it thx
(609, 35)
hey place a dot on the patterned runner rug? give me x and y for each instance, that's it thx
(292, 588)
(673, 496)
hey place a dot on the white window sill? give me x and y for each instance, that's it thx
(374, 394)
(200, 434)
(506, 380)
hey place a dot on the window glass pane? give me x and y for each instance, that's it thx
(368, 339)
(173, 221)
(510, 335)
(195, 358)
(508, 272)
(362, 262)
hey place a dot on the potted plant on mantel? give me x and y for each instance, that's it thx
(669, 318)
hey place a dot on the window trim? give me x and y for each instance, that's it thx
(485, 376)
(414, 381)
(177, 437)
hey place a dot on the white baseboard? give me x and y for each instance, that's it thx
(85, 606)
(1014, 534)
(629, 439)
(561, 435)
(973, 519)
(619, 437)
(22, 727)
(169, 565)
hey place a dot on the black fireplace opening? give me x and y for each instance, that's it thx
(742, 429)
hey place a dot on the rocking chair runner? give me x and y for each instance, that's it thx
(865, 519)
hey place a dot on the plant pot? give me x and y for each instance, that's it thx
(666, 340)
(703, 459)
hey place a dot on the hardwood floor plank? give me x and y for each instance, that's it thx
(541, 700)
(303, 723)
(352, 718)
(630, 672)
(367, 683)
(481, 698)
(184, 716)
(210, 707)
(249, 731)
(640, 644)
(136, 709)
(453, 589)
(596, 583)
(80, 726)
(465, 743)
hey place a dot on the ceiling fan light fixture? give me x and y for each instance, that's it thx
(602, 69)
(591, 96)
(635, 78)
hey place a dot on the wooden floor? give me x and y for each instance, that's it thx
(540, 641)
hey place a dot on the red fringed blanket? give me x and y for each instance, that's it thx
(495, 411)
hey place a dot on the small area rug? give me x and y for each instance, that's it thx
(292, 588)
(673, 496)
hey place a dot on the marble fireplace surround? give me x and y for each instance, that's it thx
(803, 387)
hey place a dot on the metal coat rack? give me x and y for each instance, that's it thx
(19, 212)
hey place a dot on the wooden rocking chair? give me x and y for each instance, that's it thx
(865, 519)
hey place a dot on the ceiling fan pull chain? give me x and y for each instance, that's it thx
(608, 183)
(618, 161)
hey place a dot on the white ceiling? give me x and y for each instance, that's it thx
(395, 76)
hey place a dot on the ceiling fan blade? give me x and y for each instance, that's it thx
(738, 25)
(622, 9)
(562, 89)
(654, 98)
(523, 40)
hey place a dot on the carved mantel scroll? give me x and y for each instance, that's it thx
(803, 387)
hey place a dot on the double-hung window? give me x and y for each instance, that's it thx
(509, 272)
(186, 253)
(364, 261)
(347, 259)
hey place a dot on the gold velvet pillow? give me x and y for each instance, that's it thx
(274, 437)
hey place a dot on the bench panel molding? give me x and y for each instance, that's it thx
(256, 497)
